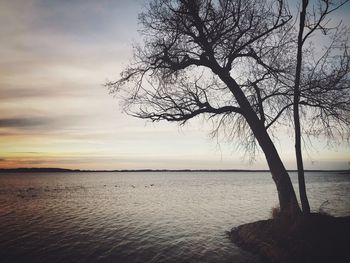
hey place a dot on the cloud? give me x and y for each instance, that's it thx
(38, 124)
(89, 18)
(23, 122)
(14, 92)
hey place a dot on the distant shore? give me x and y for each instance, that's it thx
(63, 170)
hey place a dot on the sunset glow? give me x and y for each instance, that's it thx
(55, 111)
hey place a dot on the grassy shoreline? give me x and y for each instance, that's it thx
(305, 238)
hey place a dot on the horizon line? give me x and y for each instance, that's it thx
(56, 169)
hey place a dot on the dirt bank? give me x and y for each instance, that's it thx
(305, 238)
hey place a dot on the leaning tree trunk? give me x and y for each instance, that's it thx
(286, 195)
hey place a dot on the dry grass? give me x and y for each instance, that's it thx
(275, 212)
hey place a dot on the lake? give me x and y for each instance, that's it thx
(143, 216)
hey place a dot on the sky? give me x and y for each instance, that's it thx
(55, 57)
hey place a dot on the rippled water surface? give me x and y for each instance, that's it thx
(142, 217)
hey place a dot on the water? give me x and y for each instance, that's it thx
(142, 217)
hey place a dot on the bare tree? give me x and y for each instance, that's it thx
(323, 83)
(228, 60)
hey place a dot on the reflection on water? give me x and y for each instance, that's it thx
(142, 217)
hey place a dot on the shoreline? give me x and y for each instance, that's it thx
(64, 170)
(306, 238)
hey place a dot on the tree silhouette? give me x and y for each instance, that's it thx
(321, 83)
(229, 61)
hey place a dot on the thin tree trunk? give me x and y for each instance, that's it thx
(286, 195)
(299, 157)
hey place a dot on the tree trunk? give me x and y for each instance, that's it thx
(298, 154)
(286, 195)
(301, 178)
